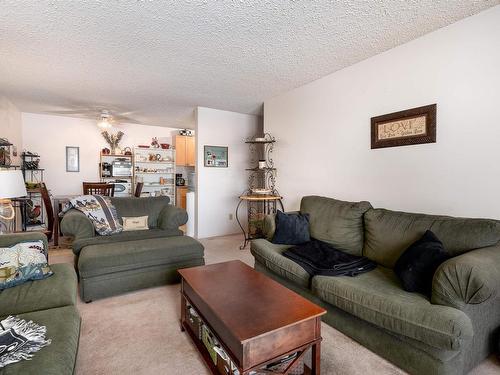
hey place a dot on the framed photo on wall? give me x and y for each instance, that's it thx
(404, 128)
(72, 159)
(215, 156)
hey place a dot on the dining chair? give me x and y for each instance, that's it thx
(47, 202)
(98, 188)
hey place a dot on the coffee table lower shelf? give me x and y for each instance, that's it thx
(202, 350)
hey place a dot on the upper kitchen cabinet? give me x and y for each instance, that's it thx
(185, 150)
(190, 151)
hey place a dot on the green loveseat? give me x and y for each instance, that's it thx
(448, 333)
(130, 260)
(51, 303)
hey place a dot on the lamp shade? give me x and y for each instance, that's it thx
(12, 184)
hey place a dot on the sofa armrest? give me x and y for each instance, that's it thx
(75, 224)
(468, 279)
(269, 226)
(172, 217)
(7, 240)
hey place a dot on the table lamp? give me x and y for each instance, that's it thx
(11, 186)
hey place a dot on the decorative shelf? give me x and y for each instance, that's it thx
(30, 155)
(155, 162)
(157, 185)
(259, 179)
(117, 177)
(154, 172)
(116, 155)
(256, 169)
(260, 197)
(9, 166)
(154, 149)
(262, 142)
(144, 170)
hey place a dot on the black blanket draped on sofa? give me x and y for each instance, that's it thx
(321, 258)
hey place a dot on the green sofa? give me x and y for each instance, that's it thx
(119, 263)
(448, 333)
(49, 302)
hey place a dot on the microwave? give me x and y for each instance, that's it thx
(121, 167)
(122, 189)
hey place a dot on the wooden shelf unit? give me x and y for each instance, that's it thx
(145, 171)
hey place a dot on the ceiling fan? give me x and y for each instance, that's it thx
(105, 120)
(105, 117)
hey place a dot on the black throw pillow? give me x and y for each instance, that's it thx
(291, 229)
(417, 265)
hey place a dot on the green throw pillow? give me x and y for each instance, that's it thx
(22, 262)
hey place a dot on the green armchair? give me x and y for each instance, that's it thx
(130, 260)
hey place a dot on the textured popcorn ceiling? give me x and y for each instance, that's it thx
(157, 60)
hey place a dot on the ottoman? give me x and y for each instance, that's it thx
(115, 268)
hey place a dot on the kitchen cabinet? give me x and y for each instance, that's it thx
(181, 196)
(185, 151)
(190, 151)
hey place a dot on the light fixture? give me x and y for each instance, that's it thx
(11, 186)
(105, 120)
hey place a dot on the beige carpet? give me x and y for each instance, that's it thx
(138, 333)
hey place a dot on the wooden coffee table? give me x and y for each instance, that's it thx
(255, 319)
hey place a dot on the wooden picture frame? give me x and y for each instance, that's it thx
(72, 159)
(404, 128)
(215, 156)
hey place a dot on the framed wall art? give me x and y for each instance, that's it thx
(404, 128)
(215, 156)
(72, 159)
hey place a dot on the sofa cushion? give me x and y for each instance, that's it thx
(336, 222)
(377, 297)
(79, 244)
(389, 233)
(147, 206)
(58, 290)
(63, 328)
(129, 255)
(269, 255)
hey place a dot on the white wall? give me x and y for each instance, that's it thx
(323, 128)
(11, 126)
(218, 188)
(49, 135)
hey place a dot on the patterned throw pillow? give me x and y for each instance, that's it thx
(22, 262)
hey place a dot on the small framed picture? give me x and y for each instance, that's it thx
(215, 156)
(72, 159)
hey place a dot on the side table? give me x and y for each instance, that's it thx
(57, 202)
(258, 206)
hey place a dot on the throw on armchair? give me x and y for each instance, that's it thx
(130, 260)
